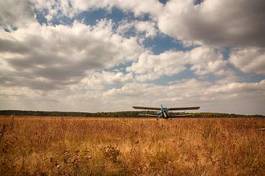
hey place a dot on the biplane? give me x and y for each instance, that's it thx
(163, 112)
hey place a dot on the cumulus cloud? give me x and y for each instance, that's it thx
(149, 66)
(237, 88)
(146, 27)
(59, 55)
(205, 60)
(19, 13)
(15, 13)
(99, 80)
(215, 22)
(249, 60)
(102, 65)
(142, 29)
(221, 97)
(190, 21)
(247, 97)
(54, 8)
(201, 60)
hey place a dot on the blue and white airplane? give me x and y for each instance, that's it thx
(163, 112)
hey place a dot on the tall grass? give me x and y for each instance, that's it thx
(80, 146)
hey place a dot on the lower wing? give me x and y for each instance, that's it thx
(147, 108)
(179, 116)
(148, 115)
(184, 108)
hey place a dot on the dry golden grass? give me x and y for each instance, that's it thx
(97, 146)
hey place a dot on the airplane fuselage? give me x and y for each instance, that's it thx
(163, 113)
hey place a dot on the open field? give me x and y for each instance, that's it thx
(115, 146)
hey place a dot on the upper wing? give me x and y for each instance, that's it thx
(183, 108)
(147, 108)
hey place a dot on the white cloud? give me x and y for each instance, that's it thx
(20, 13)
(149, 66)
(147, 27)
(202, 61)
(233, 97)
(249, 60)
(205, 60)
(54, 8)
(99, 80)
(237, 87)
(15, 13)
(61, 55)
(141, 29)
(215, 22)
(203, 23)
(78, 62)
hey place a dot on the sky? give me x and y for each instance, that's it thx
(108, 55)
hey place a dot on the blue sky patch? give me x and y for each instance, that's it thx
(163, 42)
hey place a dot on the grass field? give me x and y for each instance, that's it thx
(112, 146)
